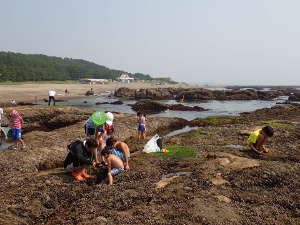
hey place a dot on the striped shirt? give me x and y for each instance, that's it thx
(17, 122)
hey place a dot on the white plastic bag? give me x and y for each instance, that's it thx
(151, 145)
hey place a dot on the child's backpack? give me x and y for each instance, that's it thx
(73, 144)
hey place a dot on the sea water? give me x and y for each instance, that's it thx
(214, 107)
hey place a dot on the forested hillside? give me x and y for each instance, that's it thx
(24, 67)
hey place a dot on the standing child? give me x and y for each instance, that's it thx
(141, 121)
(17, 124)
(258, 139)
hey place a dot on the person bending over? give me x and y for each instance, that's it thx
(114, 164)
(120, 149)
(81, 154)
(258, 139)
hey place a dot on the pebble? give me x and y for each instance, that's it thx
(188, 188)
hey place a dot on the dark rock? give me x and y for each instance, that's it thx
(180, 107)
(88, 93)
(149, 106)
(112, 103)
(196, 94)
(125, 92)
(294, 97)
(56, 100)
(25, 103)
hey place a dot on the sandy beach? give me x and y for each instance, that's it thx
(33, 92)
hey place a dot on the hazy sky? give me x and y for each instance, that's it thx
(203, 41)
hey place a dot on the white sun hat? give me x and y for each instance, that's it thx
(110, 118)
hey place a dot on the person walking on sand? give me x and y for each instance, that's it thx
(17, 124)
(51, 95)
(1, 114)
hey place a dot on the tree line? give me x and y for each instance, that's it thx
(36, 67)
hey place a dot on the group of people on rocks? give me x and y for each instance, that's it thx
(100, 149)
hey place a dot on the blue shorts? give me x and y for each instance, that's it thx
(118, 153)
(16, 134)
(141, 127)
(116, 171)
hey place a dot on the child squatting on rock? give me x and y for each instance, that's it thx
(258, 139)
(119, 149)
(81, 154)
(114, 164)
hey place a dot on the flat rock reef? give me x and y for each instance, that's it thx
(219, 181)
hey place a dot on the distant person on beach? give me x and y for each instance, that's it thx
(81, 154)
(17, 125)
(1, 115)
(114, 164)
(141, 121)
(13, 102)
(66, 91)
(258, 139)
(119, 149)
(51, 95)
(181, 100)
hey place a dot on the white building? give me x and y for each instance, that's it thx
(124, 78)
(93, 81)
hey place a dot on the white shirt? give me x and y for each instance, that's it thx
(52, 93)
(1, 113)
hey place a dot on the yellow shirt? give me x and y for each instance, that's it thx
(253, 137)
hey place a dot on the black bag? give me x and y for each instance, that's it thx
(160, 143)
(73, 144)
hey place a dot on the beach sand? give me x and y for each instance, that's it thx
(36, 92)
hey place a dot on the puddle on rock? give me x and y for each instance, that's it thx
(181, 131)
(234, 146)
(176, 174)
(5, 146)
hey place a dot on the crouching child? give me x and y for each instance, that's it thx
(81, 154)
(258, 139)
(114, 164)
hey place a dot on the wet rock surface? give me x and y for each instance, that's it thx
(195, 94)
(294, 97)
(152, 107)
(35, 190)
(113, 103)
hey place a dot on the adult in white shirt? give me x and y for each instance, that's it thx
(51, 97)
(1, 114)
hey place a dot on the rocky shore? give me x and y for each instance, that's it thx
(192, 94)
(222, 184)
(152, 107)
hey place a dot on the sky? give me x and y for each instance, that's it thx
(245, 42)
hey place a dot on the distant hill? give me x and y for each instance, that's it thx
(28, 67)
